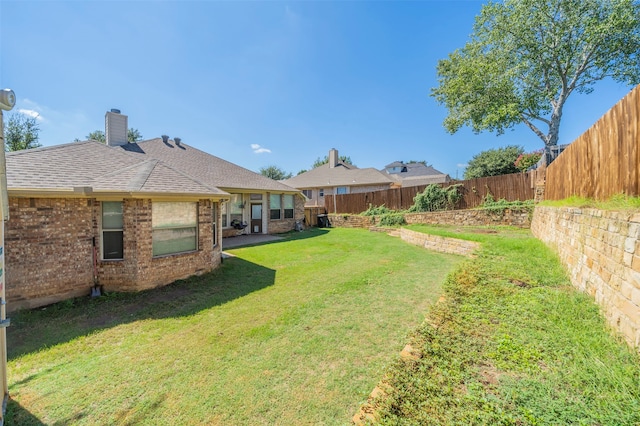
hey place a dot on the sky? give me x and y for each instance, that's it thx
(258, 83)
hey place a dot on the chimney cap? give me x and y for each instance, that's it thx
(115, 110)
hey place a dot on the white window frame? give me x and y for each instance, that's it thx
(158, 228)
(104, 230)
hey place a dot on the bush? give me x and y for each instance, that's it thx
(376, 210)
(499, 206)
(524, 161)
(392, 219)
(435, 198)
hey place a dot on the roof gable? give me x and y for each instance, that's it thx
(326, 176)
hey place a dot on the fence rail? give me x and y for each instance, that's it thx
(603, 161)
(512, 187)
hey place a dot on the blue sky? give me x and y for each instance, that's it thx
(258, 83)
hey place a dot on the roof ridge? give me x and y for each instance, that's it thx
(50, 147)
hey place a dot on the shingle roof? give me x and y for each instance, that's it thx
(206, 168)
(93, 164)
(341, 175)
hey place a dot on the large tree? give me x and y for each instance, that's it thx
(525, 57)
(133, 135)
(274, 172)
(494, 162)
(21, 132)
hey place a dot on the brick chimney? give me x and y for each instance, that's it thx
(333, 158)
(116, 126)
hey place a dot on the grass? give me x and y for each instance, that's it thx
(513, 344)
(616, 202)
(293, 332)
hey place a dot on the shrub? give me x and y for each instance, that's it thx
(392, 219)
(376, 210)
(524, 161)
(435, 198)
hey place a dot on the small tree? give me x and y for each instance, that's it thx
(494, 162)
(21, 132)
(274, 172)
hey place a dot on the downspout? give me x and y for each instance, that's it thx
(7, 101)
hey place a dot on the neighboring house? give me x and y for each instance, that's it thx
(337, 177)
(414, 174)
(127, 217)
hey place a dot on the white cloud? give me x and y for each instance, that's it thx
(31, 113)
(257, 149)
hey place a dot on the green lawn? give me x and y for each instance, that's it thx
(293, 332)
(513, 344)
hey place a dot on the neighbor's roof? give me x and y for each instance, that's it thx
(341, 175)
(205, 167)
(78, 165)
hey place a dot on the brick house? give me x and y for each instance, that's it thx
(127, 216)
(337, 177)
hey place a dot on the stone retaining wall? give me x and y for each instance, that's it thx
(601, 250)
(519, 218)
(440, 244)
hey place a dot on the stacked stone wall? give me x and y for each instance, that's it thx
(518, 218)
(438, 243)
(601, 250)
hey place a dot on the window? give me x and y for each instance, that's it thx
(232, 210)
(223, 212)
(274, 206)
(235, 208)
(308, 193)
(214, 219)
(321, 192)
(341, 190)
(255, 197)
(174, 227)
(288, 206)
(112, 246)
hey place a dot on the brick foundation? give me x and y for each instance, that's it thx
(601, 250)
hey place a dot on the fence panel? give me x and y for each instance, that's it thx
(510, 187)
(604, 160)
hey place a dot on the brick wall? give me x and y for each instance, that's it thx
(519, 218)
(440, 244)
(601, 250)
(280, 226)
(49, 251)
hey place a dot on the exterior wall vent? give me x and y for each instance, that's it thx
(116, 126)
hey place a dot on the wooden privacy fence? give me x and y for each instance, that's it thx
(512, 187)
(604, 160)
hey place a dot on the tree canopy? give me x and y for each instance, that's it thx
(525, 57)
(320, 161)
(21, 132)
(494, 162)
(133, 135)
(274, 172)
